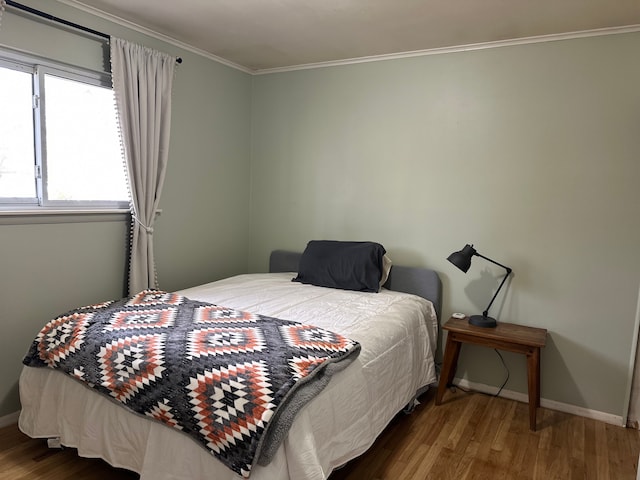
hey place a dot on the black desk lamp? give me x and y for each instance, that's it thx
(462, 260)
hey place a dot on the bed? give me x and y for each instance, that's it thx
(396, 329)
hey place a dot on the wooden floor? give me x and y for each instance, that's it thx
(470, 436)
(475, 436)
(23, 458)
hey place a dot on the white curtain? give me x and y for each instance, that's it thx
(2, 5)
(142, 81)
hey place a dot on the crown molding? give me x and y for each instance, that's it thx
(151, 33)
(458, 48)
(374, 58)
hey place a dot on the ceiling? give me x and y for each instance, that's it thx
(270, 34)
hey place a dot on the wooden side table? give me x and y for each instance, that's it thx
(506, 336)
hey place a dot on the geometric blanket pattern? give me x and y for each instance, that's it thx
(221, 375)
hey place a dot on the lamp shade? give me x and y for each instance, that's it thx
(462, 259)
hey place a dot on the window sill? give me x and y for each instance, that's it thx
(44, 215)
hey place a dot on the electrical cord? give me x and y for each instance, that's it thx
(506, 369)
(453, 388)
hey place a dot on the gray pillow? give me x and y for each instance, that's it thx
(345, 265)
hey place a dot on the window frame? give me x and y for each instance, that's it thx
(38, 67)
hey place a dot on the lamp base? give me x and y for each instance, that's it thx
(482, 321)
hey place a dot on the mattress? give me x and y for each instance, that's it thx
(398, 335)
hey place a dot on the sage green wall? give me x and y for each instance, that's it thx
(48, 267)
(530, 152)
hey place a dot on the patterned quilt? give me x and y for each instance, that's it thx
(232, 380)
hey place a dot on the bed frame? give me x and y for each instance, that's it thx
(69, 399)
(423, 282)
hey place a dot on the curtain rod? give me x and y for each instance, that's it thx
(39, 13)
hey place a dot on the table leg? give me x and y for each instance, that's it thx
(449, 363)
(533, 377)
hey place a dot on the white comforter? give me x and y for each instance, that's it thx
(397, 332)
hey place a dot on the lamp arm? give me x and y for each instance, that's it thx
(494, 262)
(486, 312)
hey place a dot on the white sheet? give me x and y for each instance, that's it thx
(398, 335)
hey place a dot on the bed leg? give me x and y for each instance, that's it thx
(411, 406)
(54, 443)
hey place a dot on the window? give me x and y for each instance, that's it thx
(60, 146)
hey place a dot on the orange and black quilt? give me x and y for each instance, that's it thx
(232, 380)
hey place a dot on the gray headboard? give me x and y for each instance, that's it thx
(418, 281)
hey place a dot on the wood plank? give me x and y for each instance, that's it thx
(26, 458)
(520, 334)
(480, 437)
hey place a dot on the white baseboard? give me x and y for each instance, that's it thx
(9, 419)
(550, 404)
